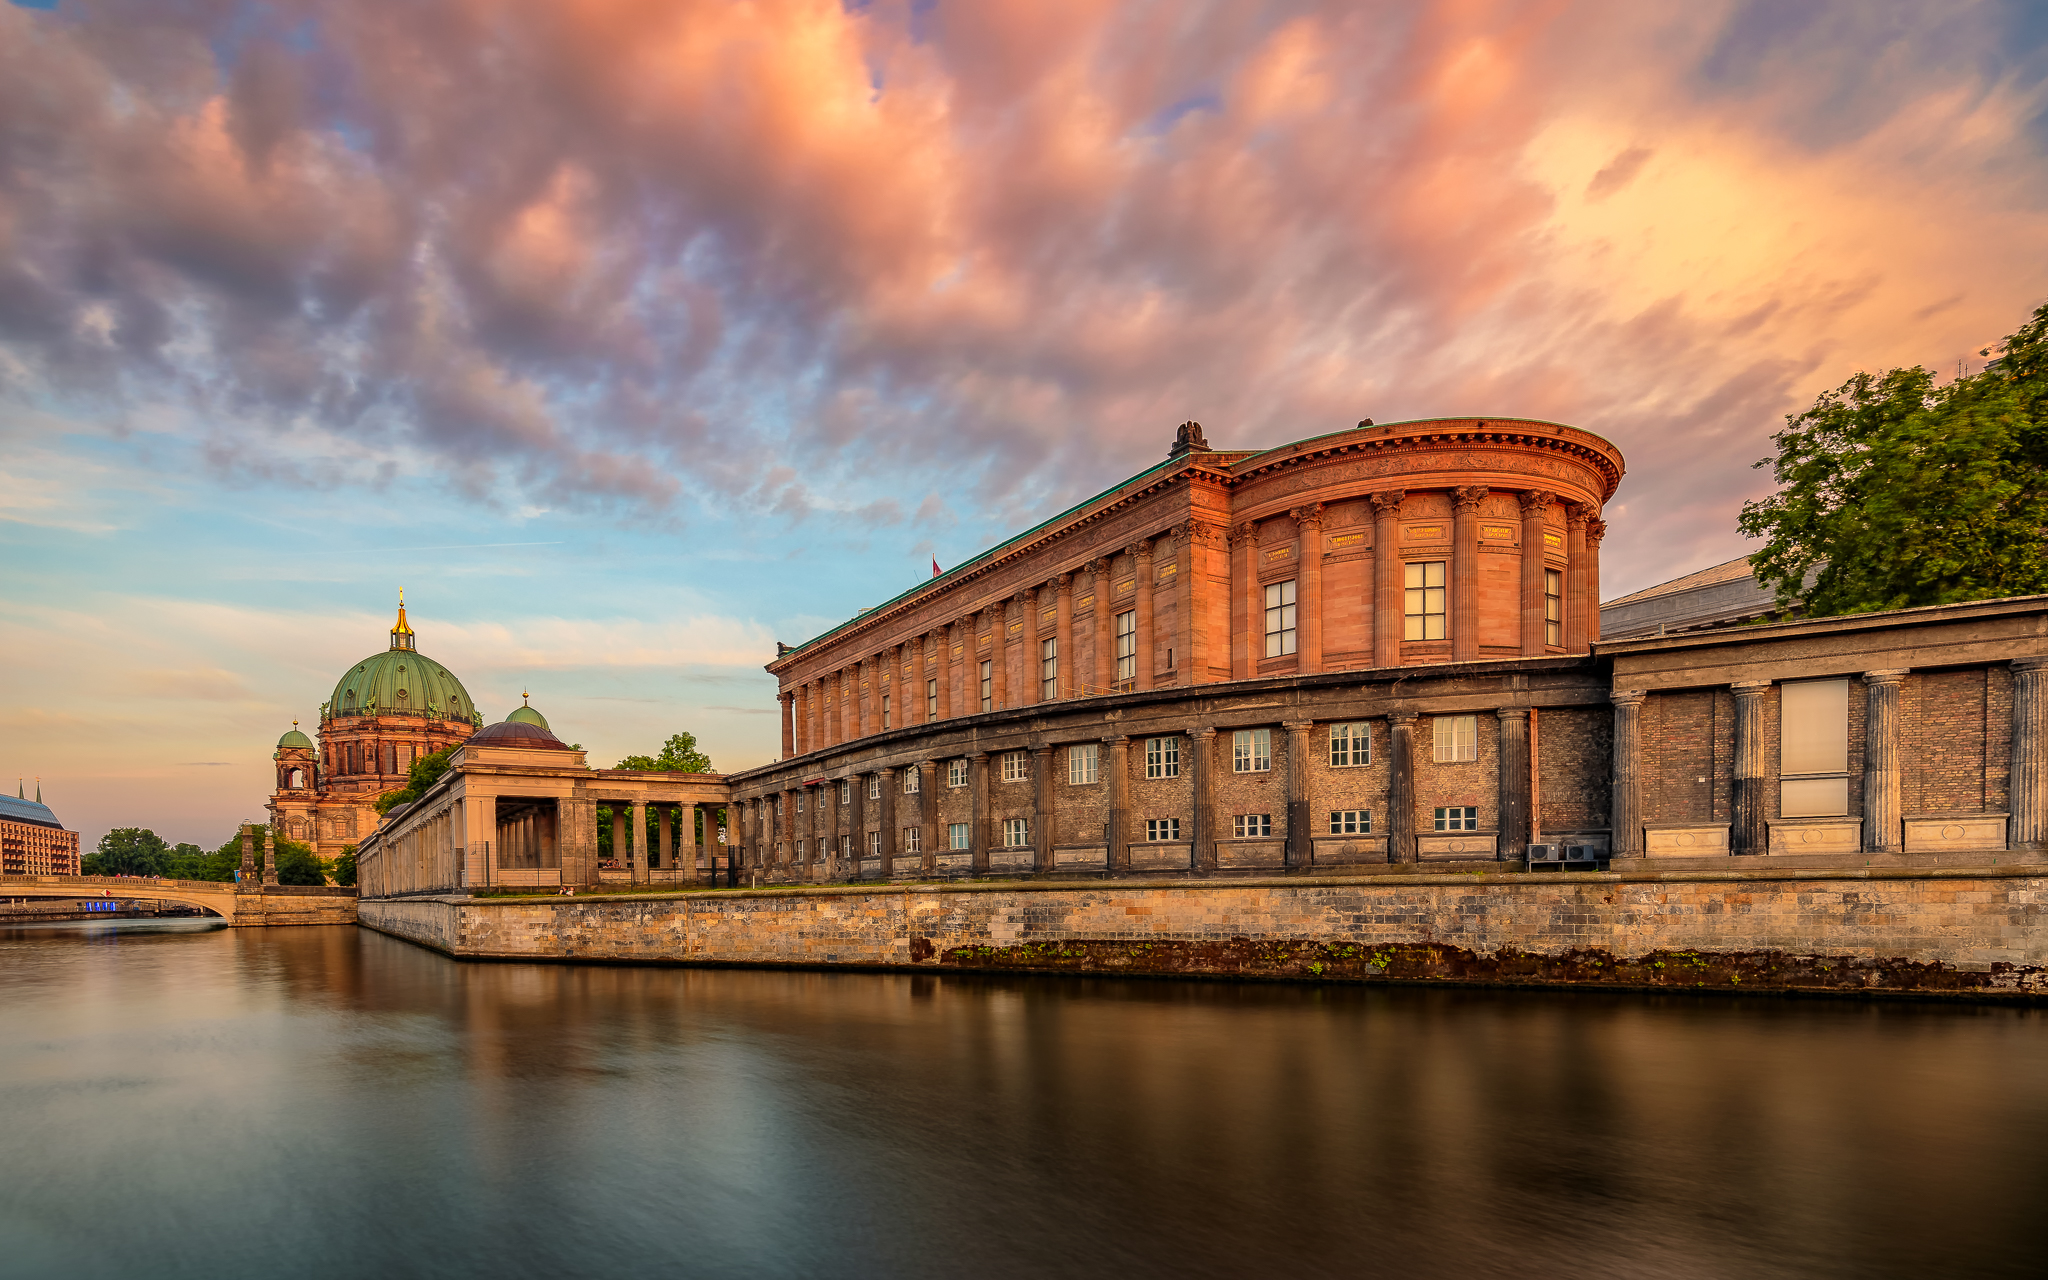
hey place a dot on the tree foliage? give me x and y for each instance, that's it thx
(424, 773)
(138, 851)
(678, 755)
(128, 851)
(1898, 492)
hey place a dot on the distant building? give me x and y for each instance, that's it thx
(32, 841)
(1727, 595)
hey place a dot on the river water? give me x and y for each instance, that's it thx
(185, 1100)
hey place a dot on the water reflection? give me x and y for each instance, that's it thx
(329, 1102)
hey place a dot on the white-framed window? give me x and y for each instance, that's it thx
(799, 851)
(1423, 602)
(1016, 767)
(846, 791)
(778, 807)
(913, 839)
(1162, 828)
(1247, 826)
(874, 786)
(1457, 818)
(1279, 618)
(846, 846)
(874, 844)
(1813, 748)
(1251, 751)
(1084, 764)
(1016, 832)
(988, 685)
(931, 699)
(1350, 745)
(799, 803)
(1350, 822)
(885, 711)
(1049, 669)
(1126, 646)
(956, 773)
(1162, 757)
(1553, 607)
(910, 780)
(1457, 738)
(956, 835)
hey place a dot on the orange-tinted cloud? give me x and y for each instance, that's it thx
(573, 253)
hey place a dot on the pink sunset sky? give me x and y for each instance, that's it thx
(630, 337)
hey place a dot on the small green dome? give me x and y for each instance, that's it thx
(401, 681)
(295, 739)
(527, 715)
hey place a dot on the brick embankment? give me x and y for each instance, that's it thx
(1944, 932)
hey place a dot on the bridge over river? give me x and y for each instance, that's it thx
(248, 904)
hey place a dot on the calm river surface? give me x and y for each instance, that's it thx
(183, 1100)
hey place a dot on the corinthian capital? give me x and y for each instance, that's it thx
(1536, 501)
(1387, 502)
(1308, 517)
(1469, 497)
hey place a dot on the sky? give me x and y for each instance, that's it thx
(632, 336)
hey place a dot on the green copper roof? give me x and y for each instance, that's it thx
(400, 681)
(293, 738)
(527, 715)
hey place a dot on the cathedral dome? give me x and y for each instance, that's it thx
(293, 738)
(524, 714)
(401, 681)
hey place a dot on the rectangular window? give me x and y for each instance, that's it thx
(846, 791)
(1162, 828)
(931, 699)
(1251, 751)
(874, 844)
(1424, 601)
(913, 839)
(1246, 826)
(1084, 763)
(846, 846)
(1457, 818)
(1553, 607)
(799, 851)
(1351, 822)
(1016, 832)
(799, 802)
(778, 807)
(1162, 757)
(956, 773)
(1280, 618)
(1813, 738)
(874, 786)
(1457, 739)
(956, 835)
(1126, 646)
(988, 685)
(885, 711)
(910, 780)
(1016, 767)
(1049, 669)
(1350, 745)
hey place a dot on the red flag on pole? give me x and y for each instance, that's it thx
(935, 566)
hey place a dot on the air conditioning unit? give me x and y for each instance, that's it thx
(1544, 853)
(1581, 853)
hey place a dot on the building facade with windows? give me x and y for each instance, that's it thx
(32, 841)
(1373, 650)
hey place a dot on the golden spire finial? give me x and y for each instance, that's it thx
(523, 696)
(401, 634)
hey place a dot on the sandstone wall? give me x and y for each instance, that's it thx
(1978, 930)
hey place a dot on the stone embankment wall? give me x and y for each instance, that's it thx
(1974, 931)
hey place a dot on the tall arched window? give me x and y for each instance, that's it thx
(298, 779)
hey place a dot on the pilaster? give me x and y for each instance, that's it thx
(2027, 786)
(1308, 596)
(1514, 797)
(1750, 833)
(1300, 849)
(1401, 787)
(1386, 579)
(1465, 572)
(1625, 817)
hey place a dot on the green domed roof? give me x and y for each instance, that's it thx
(527, 715)
(294, 738)
(403, 682)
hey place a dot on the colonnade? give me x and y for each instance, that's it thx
(913, 682)
(676, 845)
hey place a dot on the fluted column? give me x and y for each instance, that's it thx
(1625, 819)
(1308, 592)
(1514, 781)
(787, 700)
(982, 837)
(1465, 572)
(1751, 832)
(948, 639)
(1143, 553)
(1535, 505)
(1300, 849)
(1027, 648)
(1063, 632)
(1244, 556)
(1883, 830)
(1386, 578)
(2027, 788)
(1116, 782)
(1596, 530)
(1401, 788)
(999, 657)
(1105, 626)
(1577, 628)
(1202, 830)
(1198, 551)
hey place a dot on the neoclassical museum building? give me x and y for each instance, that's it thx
(1371, 649)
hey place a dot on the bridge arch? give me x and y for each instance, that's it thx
(218, 898)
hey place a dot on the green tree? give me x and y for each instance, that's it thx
(424, 773)
(1897, 492)
(128, 851)
(345, 866)
(298, 864)
(678, 755)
